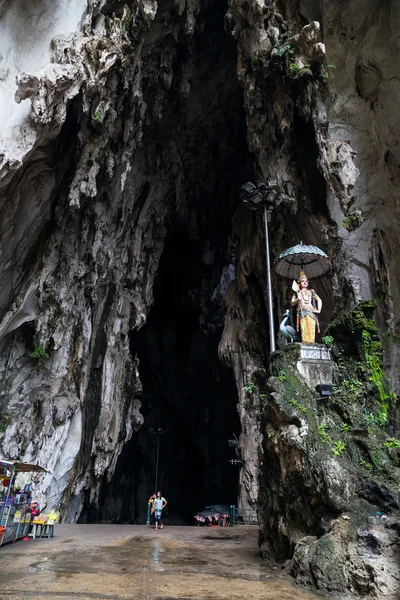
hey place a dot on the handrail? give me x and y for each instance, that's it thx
(243, 516)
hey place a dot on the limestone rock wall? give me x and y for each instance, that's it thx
(318, 99)
(108, 142)
(130, 126)
(78, 278)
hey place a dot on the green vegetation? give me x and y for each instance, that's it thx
(259, 59)
(305, 72)
(350, 425)
(345, 427)
(294, 69)
(392, 443)
(327, 340)
(40, 353)
(354, 388)
(284, 47)
(373, 357)
(323, 434)
(4, 422)
(352, 221)
(370, 421)
(297, 71)
(324, 73)
(250, 387)
(338, 448)
(97, 117)
(295, 404)
(282, 376)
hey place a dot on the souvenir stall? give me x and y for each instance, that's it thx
(15, 503)
(216, 515)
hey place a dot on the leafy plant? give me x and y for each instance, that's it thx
(327, 340)
(370, 420)
(354, 388)
(373, 358)
(305, 72)
(271, 433)
(294, 69)
(282, 376)
(250, 387)
(392, 443)
(324, 73)
(97, 117)
(345, 427)
(338, 448)
(365, 464)
(40, 353)
(323, 434)
(295, 404)
(352, 221)
(283, 47)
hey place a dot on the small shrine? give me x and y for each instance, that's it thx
(315, 363)
(298, 263)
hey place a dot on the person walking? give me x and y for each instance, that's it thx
(158, 506)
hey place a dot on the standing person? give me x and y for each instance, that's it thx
(151, 504)
(159, 504)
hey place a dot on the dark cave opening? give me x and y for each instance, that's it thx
(188, 392)
(306, 154)
(186, 389)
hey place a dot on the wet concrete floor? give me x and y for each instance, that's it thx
(128, 562)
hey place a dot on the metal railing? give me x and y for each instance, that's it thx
(243, 516)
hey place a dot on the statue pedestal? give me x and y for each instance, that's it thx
(316, 365)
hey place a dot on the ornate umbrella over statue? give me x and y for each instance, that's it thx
(302, 257)
(312, 262)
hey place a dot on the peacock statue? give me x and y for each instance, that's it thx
(287, 330)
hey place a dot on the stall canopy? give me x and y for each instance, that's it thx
(19, 467)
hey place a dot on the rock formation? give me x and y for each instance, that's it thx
(123, 142)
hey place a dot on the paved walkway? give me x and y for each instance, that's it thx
(128, 562)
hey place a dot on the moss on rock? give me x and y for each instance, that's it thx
(328, 464)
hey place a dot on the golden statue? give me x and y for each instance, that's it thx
(308, 304)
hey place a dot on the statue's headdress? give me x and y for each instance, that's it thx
(302, 275)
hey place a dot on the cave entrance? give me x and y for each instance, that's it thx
(188, 392)
(186, 389)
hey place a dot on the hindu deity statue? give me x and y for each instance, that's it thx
(308, 305)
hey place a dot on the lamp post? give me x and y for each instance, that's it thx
(159, 432)
(265, 196)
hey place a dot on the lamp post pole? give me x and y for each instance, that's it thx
(264, 195)
(158, 453)
(269, 285)
(159, 432)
